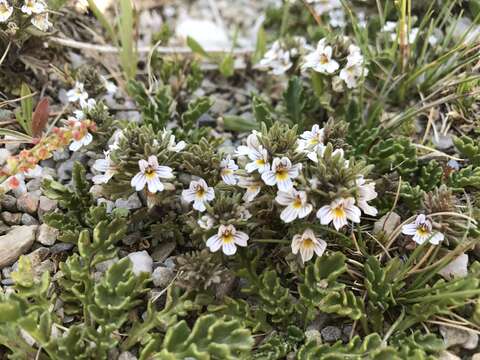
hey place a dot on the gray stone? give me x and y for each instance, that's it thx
(331, 333)
(37, 256)
(47, 235)
(225, 287)
(207, 120)
(28, 203)
(61, 247)
(170, 263)
(313, 334)
(46, 205)
(9, 203)
(4, 228)
(132, 203)
(127, 355)
(18, 241)
(132, 238)
(28, 219)
(220, 106)
(11, 218)
(105, 265)
(96, 191)
(163, 251)
(49, 172)
(34, 184)
(162, 276)
(61, 155)
(141, 262)
(387, 223)
(64, 171)
(453, 336)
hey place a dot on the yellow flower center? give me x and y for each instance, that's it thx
(281, 173)
(150, 173)
(422, 230)
(3, 9)
(297, 203)
(323, 59)
(227, 237)
(338, 212)
(260, 162)
(199, 191)
(308, 243)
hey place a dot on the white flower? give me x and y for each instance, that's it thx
(227, 238)
(243, 213)
(307, 244)
(227, 171)
(252, 186)
(40, 21)
(150, 174)
(321, 60)
(354, 69)
(88, 104)
(33, 7)
(282, 173)
(81, 136)
(390, 26)
(311, 143)
(105, 166)
(109, 85)
(206, 222)
(337, 18)
(421, 230)
(362, 19)
(77, 93)
(199, 193)
(256, 153)
(276, 59)
(366, 192)
(6, 10)
(174, 146)
(339, 211)
(296, 205)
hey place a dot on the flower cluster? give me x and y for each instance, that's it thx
(321, 60)
(75, 133)
(35, 10)
(281, 56)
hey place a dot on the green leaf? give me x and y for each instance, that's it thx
(126, 29)
(226, 66)
(196, 47)
(239, 123)
(26, 105)
(260, 46)
(294, 100)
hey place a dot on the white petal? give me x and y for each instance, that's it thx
(339, 222)
(289, 214)
(285, 185)
(229, 249)
(75, 145)
(436, 238)
(353, 213)
(269, 178)
(284, 198)
(155, 185)
(199, 205)
(240, 238)
(320, 247)
(306, 253)
(210, 195)
(214, 243)
(325, 215)
(409, 229)
(139, 181)
(305, 210)
(164, 172)
(188, 195)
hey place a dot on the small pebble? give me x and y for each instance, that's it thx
(331, 333)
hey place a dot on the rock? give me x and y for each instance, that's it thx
(387, 223)
(11, 218)
(4, 228)
(61, 247)
(47, 235)
(46, 205)
(127, 355)
(109, 205)
(96, 191)
(132, 203)
(104, 265)
(34, 184)
(61, 155)
(220, 106)
(141, 262)
(207, 120)
(456, 268)
(37, 256)
(64, 171)
(162, 276)
(28, 219)
(445, 355)
(163, 251)
(19, 240)
(443, 142)
(225, 287)
(453, 336)
(170, 263)
(8, 203)
(28, 203)
(205, 32)
(4, 155)
(331, 333)
(476, 356)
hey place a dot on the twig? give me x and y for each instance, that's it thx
(173, 50)
(5, 53)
